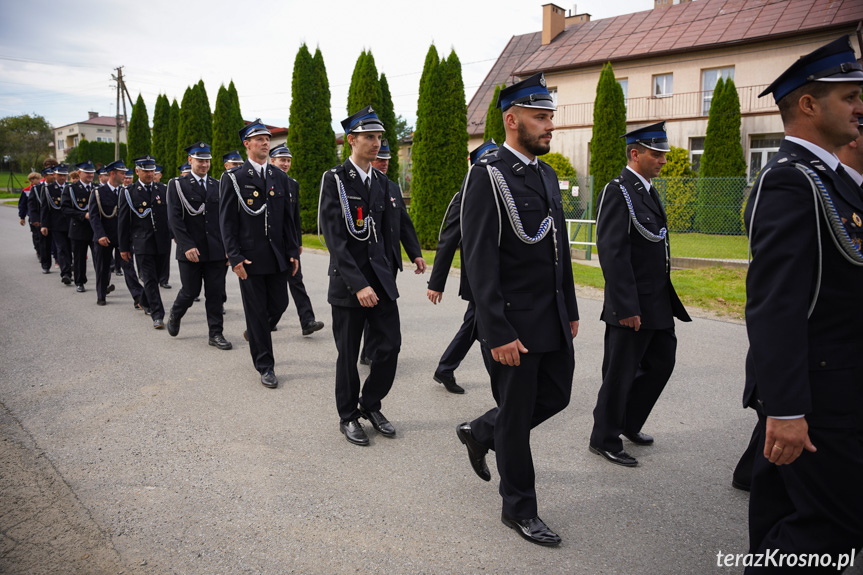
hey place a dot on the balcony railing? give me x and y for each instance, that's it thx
(677, 106)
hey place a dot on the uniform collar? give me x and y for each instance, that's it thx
(832, 160)
(855, 175)
(363, 175)
(644, 180)
(258, 167)
(524, 159)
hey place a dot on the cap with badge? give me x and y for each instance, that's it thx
(146, 163)
(159, 169)
(185, 168)
(118, 165)
(199, 151)
(253, 129)
(366, 120)
(833, 62)
(652, 137)
(384, 152)
(86, 167)
(281, 151)
(130, 173)
(102, 171)
(233, 156)
(61, 169)
(529, 93)
(485, 148)
(48, 170)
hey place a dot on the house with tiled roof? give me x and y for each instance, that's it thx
(668, 60)
(95, 128)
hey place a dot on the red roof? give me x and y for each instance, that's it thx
(274, 130)
(97, 121)
(698, 25)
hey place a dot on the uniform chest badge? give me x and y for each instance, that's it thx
(352, 173)
(251, 172)
(393, 200)
(158, 200)
(781, 160)
(255, 193)
(272, 193)
(144, 204)
(250, 201)
(857, 221)
(140, 210)
(360, 216)
(269, 172)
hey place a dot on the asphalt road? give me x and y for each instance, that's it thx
(126, 450)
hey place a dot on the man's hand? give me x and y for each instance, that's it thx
(44, 231)
(434, 296)
(104, 241)
(295, 264)
(421, 266)
(634, 322)
(509, 354)
(240, 270)
(87, 216)
(786, 440)
(126, 256)
(367, 297)
(193, 255)
(21, 221)
(301, 250)
(573, 327)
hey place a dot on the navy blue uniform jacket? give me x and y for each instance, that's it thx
(105, 226)
(356, 264)
(149, 235)
(52, 214)
(202, 231)
(795, 365)
(520, 291)
(74, 206)
(637, 279)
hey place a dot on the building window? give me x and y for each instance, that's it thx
(709, 78)
(60, 144)
(761, 149)
(663, 85)
(696, 150)
(624, 85)
(74, 141)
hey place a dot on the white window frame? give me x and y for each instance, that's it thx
(708, 83)
(764, 152)
(667, 82)
(696, 152)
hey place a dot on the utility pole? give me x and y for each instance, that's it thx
(119, 79)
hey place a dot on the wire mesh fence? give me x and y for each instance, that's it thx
(705, 215)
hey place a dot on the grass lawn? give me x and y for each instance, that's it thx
(685, 245)
(721, 290)
(19, 180)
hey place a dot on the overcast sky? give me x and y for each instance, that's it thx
(56, 59)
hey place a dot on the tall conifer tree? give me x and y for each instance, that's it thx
(365, 90)
(139, 131)
(161, 116)
(387, 115)
(224, 136)
(206, 115)
(169, 165)
(494, 119)
(237, 122)
(607, 148)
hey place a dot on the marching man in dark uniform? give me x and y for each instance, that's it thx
(56, 223)
(356, 217)
(35, 200)
(143, 226)
(640, 302)
(103, 219)
(261, 243)
(525, 299)
(280, 156)
(448, 242)
(165, 270)
(75, 205)
(231, 160)
(193, 212)
(803, 317)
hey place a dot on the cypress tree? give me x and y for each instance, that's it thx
(387, 115)
(196, 122)
(184, 127)
(607, 148)
(365, 90)
(161, 116)
(139, 131)
(224, 137)
(169, 165)
(722, 174)
(494, 119)
(237, 122)
(206, 115)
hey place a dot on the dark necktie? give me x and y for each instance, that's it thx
(846, 178)
(369, 184)
(149, 189)
(203, 184)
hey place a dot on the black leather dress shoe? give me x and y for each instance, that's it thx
(639, 438)
(197, 299)
(448, 382)
(274, 328)
(220, 342)
(534, 530)
(269, 379)
(146, 310)
(101, 302)
(312, 327)
(173, 325)
(44, 271)
(246, 335)
(740, 485)
(119, 273)
(475, 451)
(110, 288)
(617, 457)
(379, 422)
(365, 361)
(80, 288)
(136, 304)
(158, 324)
(165, 285)
(354, 432)
(66, 280)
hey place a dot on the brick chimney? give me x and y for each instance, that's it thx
(553, 22)
(92, 115)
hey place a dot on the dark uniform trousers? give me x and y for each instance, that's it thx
(522, 291)
(201, 232)
(148, 237)
(58, 226)
(34, 209)
(460, 344)
(74, 206)
(102, 255)
(636, 364)
(353, 265)
(301, 298)
(265, 290)
(805, 361)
